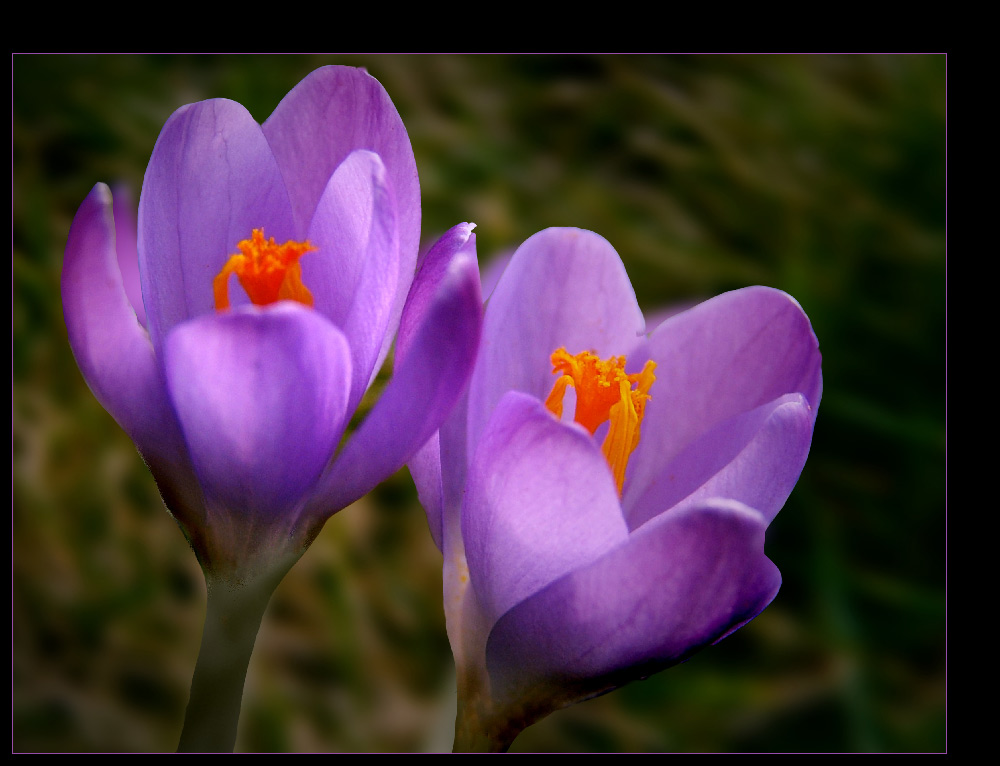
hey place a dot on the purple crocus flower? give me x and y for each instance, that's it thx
(609, 516)
(276, 263)
(239, 411)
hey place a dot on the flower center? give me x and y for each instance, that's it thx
(269, 272)
(604, 392)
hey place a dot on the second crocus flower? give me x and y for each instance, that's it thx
(601, 495)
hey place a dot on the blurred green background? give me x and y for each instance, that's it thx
(820, 175)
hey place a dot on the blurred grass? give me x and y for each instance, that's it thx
(821, 175)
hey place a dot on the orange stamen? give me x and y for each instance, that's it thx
(604, 392)
(268, 272)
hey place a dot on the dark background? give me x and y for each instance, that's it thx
(820, 175)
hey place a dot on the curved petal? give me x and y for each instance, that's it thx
(438, 492)
(329, 114)
(429, 376)
(111, 348)
(425, 470)
(726, 356)
(354, 271)
(210, 181)
(458, 241)
(438, 470)
(540, 502)
(115, 356)
(261, 396)
(755, 458)
(683, 581)
(563, 287)
(126, 244)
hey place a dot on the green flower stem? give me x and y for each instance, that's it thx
(232, 619)
(476, 731)
(470, 738)
(477, 727)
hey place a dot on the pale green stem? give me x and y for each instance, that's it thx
(233, 616)
(476, 730)
(478, 726)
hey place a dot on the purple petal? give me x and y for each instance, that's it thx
(111, 348)
(681, 582)
(436, 491)
(261, 396)
(354, 271)
(438, 470)
(425, 470)
(126, 245)
(458, 241)
(210, 182)
(115, 355)
(726, 356)
(755, 458)
(540, 502)
(430, 374)
(563, 287)
(334, 111)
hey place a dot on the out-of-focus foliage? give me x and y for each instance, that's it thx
(820, 175)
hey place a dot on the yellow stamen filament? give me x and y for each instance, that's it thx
(604, 392)
(269, 272)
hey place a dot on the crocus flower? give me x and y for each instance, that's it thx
(276, 263)
(601, 496)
